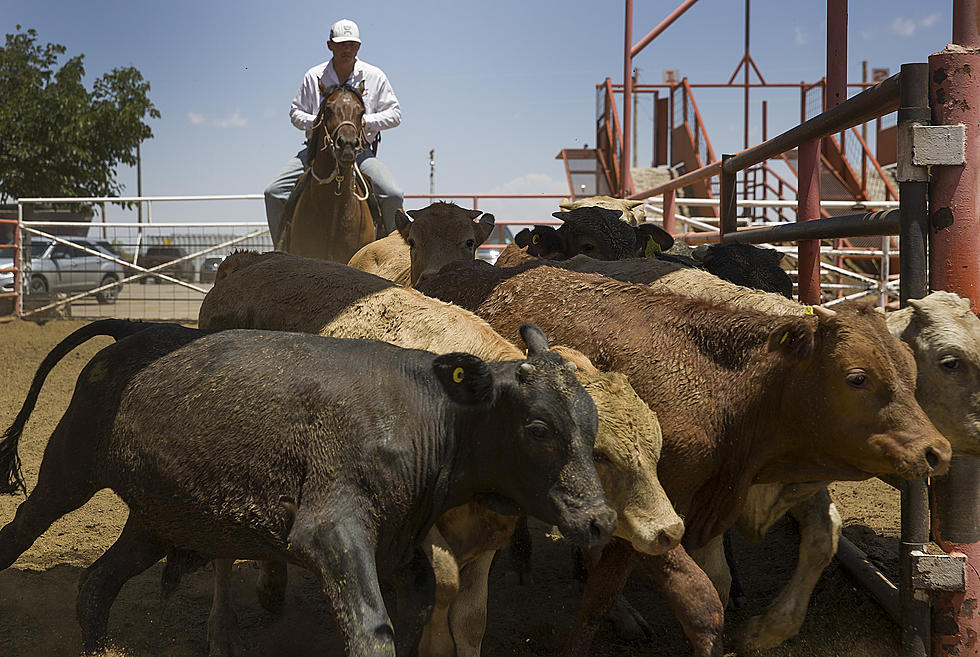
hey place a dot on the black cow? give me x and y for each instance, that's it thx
(335, 455)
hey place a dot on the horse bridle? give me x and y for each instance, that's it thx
(330, 141)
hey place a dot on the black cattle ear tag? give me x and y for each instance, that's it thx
(466, 378)
(793, 338)
(649, 237)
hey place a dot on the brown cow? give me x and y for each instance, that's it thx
(431, 238)
(737, 391)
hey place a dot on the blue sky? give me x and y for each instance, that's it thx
(496, 88)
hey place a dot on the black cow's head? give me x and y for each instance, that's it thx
(532, 451)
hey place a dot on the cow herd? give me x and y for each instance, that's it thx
(387, 424)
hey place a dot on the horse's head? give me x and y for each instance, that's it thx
(340, 122)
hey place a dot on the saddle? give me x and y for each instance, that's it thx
(280, 240)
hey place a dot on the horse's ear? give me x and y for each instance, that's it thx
(402, 223)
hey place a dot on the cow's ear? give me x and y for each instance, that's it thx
(466, 378)
(484, 227)
(523, 238)
(534, 338)
(402, 223)
(793, 338)
(651, 238)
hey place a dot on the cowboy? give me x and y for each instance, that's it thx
(381, 111)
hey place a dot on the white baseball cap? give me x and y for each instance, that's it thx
(344, 30)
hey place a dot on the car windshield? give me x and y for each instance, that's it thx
(37, 248)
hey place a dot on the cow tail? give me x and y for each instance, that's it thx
(11, 478)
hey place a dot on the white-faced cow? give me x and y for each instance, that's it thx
(336, 455)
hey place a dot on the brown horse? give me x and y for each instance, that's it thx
(328, 215)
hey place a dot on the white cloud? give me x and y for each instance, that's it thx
(903, 26)
(236, 120)
(799, 37)
(531, 183)
(929, 21)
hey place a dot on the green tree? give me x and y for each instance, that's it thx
(56, 137)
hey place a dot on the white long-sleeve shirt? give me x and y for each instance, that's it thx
(381, 109)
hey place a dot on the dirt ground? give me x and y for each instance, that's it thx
(37, 594)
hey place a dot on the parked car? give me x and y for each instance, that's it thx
(210, 268)
(159, 255)
(57, 267)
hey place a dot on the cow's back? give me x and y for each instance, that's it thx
(287, 293)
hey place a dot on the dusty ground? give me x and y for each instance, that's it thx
(37, 594)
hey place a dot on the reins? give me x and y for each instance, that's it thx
(330, 141)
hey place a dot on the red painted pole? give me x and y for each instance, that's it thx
(954, 263)
(808, 207)
(669, 209)
(626, 177)
(664, 24)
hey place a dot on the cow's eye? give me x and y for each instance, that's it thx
(538, 429)
(950, 362)
(470, 244)
(857, 379)
(599, 458)
(588, 248)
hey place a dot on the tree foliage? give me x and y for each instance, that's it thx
(56, 137)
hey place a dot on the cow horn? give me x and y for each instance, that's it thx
(823, 313)
(524, 370)
(570, 366)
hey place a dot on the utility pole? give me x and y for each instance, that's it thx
(432, 171)
(139, 188)
(636, 72)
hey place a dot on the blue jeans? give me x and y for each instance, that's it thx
(385, 188)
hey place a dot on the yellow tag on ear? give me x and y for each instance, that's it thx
(535, 239)
(783, 339)
(458, 374)
(808, 310)
(652, 248)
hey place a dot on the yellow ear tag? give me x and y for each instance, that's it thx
(652, 248)
(808, 310)
(783, 339)
(458, 375)
(535, 239)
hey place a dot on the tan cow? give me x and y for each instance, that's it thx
(633, 213)
(426, 240)
(283, 292)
